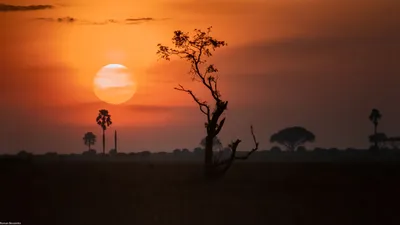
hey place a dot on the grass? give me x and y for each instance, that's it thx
(251, 193)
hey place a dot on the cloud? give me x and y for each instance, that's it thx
(217, 7)
(139, 19)
(59, 20)
(12, 8)
(69, 20)
(138, 108)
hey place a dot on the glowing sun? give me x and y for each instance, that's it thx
(114, 84)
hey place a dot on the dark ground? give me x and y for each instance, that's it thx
(251, 193)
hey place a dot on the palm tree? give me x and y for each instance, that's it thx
(104, 121)
(374, 117)
(89, 139)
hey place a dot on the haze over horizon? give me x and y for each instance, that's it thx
(320, 64)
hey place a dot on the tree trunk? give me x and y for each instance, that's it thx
(375, 131)
(208, 155)
(89, 146)
(115, 141)
(104, 142)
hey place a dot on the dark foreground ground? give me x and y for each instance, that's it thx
(251, 193)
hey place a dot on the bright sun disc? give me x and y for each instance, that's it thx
(114, 84)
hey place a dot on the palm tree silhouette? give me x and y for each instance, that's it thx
(89, 139)
(374, 117)
(104, 121)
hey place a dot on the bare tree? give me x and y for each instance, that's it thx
(196, 49)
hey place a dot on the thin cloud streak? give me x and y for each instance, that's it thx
(12, 8)
(70, 20)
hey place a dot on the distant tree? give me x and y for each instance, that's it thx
(333, 150)
(89, 139)
(276, 149)
(394, 142)
(121, 154)
(144, 153)
(379, 140)
(292, 137)
(320, 150)
(374, 117)
(90, 152)
(216, 143)
(51, 154)
(185, 151)
(104, 121)
(24, 154)
(196, 50)
(351, 150)
(177, 151)
(198, 151)
(301, 149)
(112, 152)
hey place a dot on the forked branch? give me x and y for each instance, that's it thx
(233, 146)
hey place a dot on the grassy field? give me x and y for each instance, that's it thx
(251, 193)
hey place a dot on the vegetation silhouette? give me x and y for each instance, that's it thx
(374, 117)
(292, 137)
(90, 152)
(216, 143)
(379, 140)
(115, 141)
(89, 139)
(394, 142)
(104, 120)
(388, 153)
(196, 49)
(112, 152)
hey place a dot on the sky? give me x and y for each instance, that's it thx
(320, 64)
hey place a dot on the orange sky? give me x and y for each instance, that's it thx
(321, 64)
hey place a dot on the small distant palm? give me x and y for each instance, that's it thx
(104, 121)
(374, 117)
(89, 139)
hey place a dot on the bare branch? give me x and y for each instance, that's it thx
(252, 150)
(220, 125)
(227, 162)
(194, 49)
(204, 107)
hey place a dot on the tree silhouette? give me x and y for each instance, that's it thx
(198, 151)
(276, 149)
(195, 50)
(104, 121)
(90, 152)
(394, 142)
(216, 143)
(292, 137)
(379, 140)
(374, 117)
(89, 139)
(112, 152)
